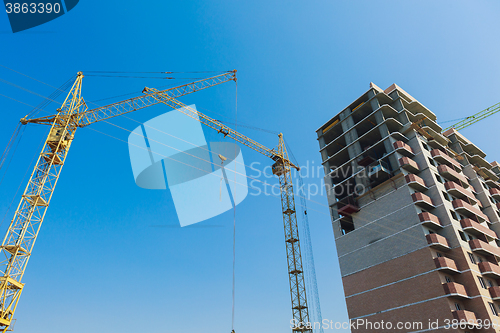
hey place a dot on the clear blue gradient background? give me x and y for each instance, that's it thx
(110, 256)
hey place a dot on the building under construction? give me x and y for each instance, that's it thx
(415, 213)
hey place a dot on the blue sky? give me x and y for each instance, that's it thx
(110, 256)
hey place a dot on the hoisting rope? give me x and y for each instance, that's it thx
(162, 77)
(22, 181)
(19, 131)
(118, 72)
(146, 77)
(234, 215)
(11, 142)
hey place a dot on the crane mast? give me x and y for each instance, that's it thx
(20, 238)
(282, 168)
(18, 243)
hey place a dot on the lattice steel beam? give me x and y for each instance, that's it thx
(18, 243)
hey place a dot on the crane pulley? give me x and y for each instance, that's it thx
(20, 238)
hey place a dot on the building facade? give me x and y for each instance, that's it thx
(415, 214)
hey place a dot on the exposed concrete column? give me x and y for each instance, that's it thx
(330, 194)
(388, 143)
(321, 139)
(456, 146)
(398, 106)
(384, 131)
(374, 101)
(403, 118)
(351, 136)
(393, 160)
(379, 116)
(324, 154)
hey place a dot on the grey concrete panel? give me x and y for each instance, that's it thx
(381, 251)
(381, 219)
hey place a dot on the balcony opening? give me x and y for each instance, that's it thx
(347, 206)
(493, 309)
(471, 257)
(368, 140)
(467, 200)
(371, 153)
(366, 125)
(346, 224)
(381, 169)
(344, 190)
(360, 109)
(456, 169)
(333, 130)
(481, 282)
(331, 124)
(483, 238)
(367, 158)
(379, 172)
(339, 174)
(335, 145)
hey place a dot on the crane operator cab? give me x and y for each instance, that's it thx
(56, 139)
(278, 168)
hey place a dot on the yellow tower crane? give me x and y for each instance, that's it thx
(467, 121)
(20, 238)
